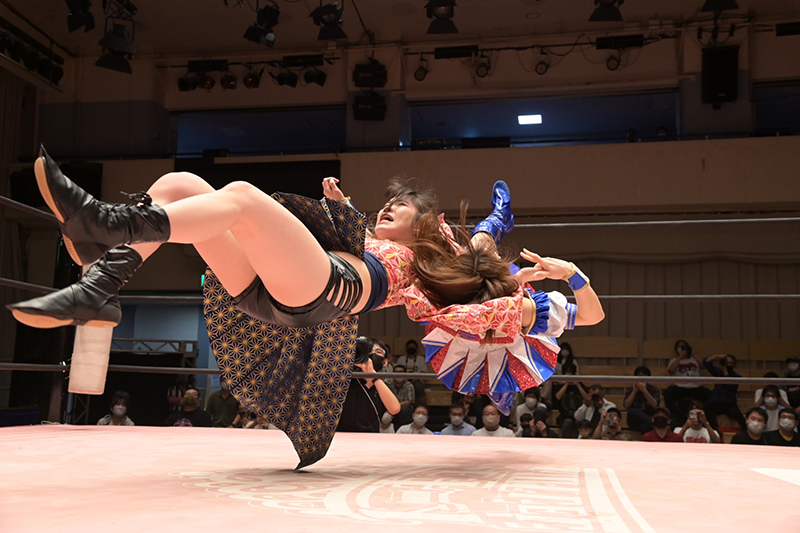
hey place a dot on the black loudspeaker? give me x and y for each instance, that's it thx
(720, 75)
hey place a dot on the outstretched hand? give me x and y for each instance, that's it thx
(331, 190)
(544, 268)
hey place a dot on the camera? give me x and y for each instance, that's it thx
(596, 398)
(363, 349)
(540, 415)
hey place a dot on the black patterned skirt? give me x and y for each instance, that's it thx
(296, 378)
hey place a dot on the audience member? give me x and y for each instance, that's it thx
(793, 390)
(243, 416)
(753, 433)
(367, 399)
(684, 365)
(473, 407)
(770, 403)
(524, 423)
(584, 428)
(119, 408)
(222, 407)
(491, 424)
(787, 434)
(723, 398)
(532, 397)
(784, 397)
(610, 426)
(697, 429)
(191, 414)
(457, 425)
(175, 393)
(417, 426)
(537, 425)
(641, 401)
(380, 348)
(567, 398)
(405, 394)
(565, 357)
(593, 405)
(414, 362)
(662, 431)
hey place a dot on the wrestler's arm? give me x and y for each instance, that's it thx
(331, 190)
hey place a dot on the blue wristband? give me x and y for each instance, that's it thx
(578, 280)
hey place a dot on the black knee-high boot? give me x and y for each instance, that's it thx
(91, 301)
(91, 227)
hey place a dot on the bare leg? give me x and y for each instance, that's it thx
(279, 248)
(223, 253)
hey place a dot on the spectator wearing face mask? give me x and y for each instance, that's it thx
(532, 398)
(662, 431)
(404, 392)
(723, 398)
(593, 405)
(756, 421)
(567, 398)
(697, 429)
(536, 425)
(565, 358)
(784, 397)
(190, 414)
(641, 401)
(793, 389)
(491, 424)
(222, 406)
(610, 426)
(684, 365)
(770, 401)
(786, 434)
(457, 425)
(119, 409)
(414, 362)
(417, 425)
(584, 429)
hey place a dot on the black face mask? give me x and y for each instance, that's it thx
(660, 421)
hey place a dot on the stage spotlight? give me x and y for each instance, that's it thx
(315, 76)
(206, 81)
(187, 83)
(422, 69)
(483, 67)
(118, 48)
(441, 11)
(716, 6)
(607, 11)
(287, 77)
(261, 32)
(329, 20)
(612, 63)
(80, 15)
(228, 81)
(251, 80)
(542, 67)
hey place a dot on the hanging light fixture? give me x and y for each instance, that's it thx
(262, 31)
(441, 13)
(118, 48)
(329, 20)
(607, 11)
(80, 15)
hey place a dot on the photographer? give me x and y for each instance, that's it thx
(537, 425)
(368, 400)
(610, 426)
(593, 404)
(697, 428)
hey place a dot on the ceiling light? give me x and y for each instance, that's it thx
(716, 6)
(228, 81)
(329, 20)
(315, 76)
(117, 49)
(80, 15)
(422, 69)
(607, 11)
(542, 67)
(287, 77)
(206, 81)
(483, 67)
(525, 120)
(441, 11)
(612, 63)
(261, 32)
(251, 80)
(187, 83)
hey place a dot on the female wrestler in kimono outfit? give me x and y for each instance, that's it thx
(295, 266)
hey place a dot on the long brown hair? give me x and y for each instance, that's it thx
(447, 277)
(402, 188)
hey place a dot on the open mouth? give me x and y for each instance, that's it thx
(386, 218)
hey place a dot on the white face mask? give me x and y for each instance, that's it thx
(456, 420)
(793, 367)
(786, 424)
(531, 402)
(420, 419)
(387, 417)
(491, 420)
(119, 410)
(770, 402)
(565, 353)
(755, 427)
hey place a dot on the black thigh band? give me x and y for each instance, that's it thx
(344, 286)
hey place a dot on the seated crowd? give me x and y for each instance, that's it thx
(685, 412)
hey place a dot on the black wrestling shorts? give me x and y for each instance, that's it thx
(342, 293)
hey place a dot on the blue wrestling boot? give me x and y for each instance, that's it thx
(500, 221)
